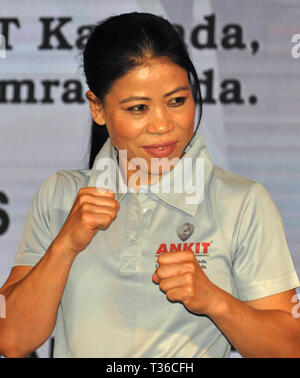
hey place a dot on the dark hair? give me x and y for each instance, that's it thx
(120, 43)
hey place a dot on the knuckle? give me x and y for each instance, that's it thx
(189, 278)
(114, 214)
(85, 217)
(107, 218)
(82, 192)
(160, 259)
(190, 255)
(116, 206)
(170, 295)
(109, 203)
(111, 215)
(85, 207)
(105, 192)
(189, 267)
(188, 292)
(158, 272)
(82, 199)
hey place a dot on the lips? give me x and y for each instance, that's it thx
(160, 149)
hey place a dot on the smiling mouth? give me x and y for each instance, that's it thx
(161, 149)
(160, 145)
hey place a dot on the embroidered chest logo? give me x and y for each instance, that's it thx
(185, 230)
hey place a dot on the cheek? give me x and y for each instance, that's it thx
(190, 116)
(187, 118)
(186, 129)
(121, 130)
(188, 122)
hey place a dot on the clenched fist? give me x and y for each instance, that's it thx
(181, 278)
(93, 210)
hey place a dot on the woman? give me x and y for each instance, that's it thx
(145, 272)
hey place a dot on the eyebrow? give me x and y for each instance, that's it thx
(135, 98)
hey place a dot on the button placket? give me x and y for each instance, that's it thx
(130, 254)
(147, 211)
(139, 214)
(134, 219)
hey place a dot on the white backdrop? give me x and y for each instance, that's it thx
(250, 76)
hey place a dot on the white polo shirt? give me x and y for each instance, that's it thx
(111, 307)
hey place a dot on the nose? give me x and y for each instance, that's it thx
(160, 122)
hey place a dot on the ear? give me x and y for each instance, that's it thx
(96, 108)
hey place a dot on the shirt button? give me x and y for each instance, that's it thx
(143, 189)
(133, 237)
(128, 235)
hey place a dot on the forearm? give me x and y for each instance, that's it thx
(32, 303)
(257, 333)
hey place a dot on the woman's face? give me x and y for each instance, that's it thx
(150, 105)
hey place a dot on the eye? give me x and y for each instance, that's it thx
(177, 101)
(137, 108)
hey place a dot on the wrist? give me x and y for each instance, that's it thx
(59, 247)
(219, 304)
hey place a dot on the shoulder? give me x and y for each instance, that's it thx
(72, 179)
(229, 183)
(235, 190)
(235, 199)
(63, 186)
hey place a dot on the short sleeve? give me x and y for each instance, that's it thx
(262, 264)
(36, 236)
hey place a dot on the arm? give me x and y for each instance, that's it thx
(260, 328)
(32, 302)
(32, 299)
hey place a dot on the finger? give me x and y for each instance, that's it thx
(155, 278)
(172, 270)
(104, 221)
(105, 192)
(98, 209)
(101, 221)
(108, 199)
(175, 257)
(96, 191)
(172, 283)
(98, 200)
(175, 295)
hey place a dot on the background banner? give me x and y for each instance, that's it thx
(247, 54)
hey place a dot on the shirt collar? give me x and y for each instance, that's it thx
(182, 187)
